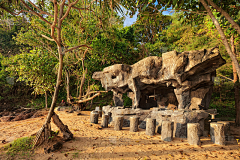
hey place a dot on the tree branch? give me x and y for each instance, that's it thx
(12, 13)
(53, 25)
(47, 37)
(35, 12)
(90, 98)
(226, 15)
(224, 77)
(83, 45)
(41, 11)
(68, 9)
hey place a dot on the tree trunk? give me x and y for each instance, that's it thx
(67, 134)
(46, 105)
(223, 37)
(67, 88)
(235, 77)
(59, 80)
(236, 87)
(82, 83)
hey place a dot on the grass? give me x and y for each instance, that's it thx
(22, 147)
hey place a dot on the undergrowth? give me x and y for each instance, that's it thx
(223, 100)
(21, 147)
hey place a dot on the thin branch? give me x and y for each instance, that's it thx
(50, 39)
(12, 13)
(92, 92)
(224, 77)
(82, 57)
(84, 45)
(55, 22)
(41, 11)
(68, 9)
(35, 12)
(90, 98)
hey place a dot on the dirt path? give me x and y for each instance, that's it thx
(92, 142)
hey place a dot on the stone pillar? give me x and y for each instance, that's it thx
(94, 117)
(118, 123)
(150, 126)
(104, 121)
(193, 133)
(167, 130)
(217, 133)
(134, 123)
(226, 128)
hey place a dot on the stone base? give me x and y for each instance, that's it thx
(179, 117)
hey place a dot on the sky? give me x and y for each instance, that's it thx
(129, 21)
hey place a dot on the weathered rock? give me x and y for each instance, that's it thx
(105, 121)
(167, 131)
(118, 123)
(134, 123)
(186, 83)
(150, 126)
(217, 133)
(193, 133)
(94, 117)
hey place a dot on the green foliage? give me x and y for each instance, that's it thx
(21, 146)
(9, 26)
(34, 68)
(127, 100)
(223, 99)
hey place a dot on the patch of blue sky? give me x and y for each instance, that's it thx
(129, 21)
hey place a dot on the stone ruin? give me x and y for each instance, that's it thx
(175, 87)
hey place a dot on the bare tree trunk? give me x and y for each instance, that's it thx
(82, 83)
(236, 87)
(67, 134)
(235, 76)
(46, 105)
(67, 88)
(59, 80)
(223, 37)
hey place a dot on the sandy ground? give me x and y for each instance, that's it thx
(92, 142)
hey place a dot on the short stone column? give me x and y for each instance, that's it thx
(193, 133)
(104, 121)
(167, 130)
(226, 128)
(217, 133)
(118, 123)
(150, 126)
(94, 117)
(134, 123)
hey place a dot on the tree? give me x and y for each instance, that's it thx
(54, 17)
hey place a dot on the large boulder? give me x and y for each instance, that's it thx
(182, 79)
